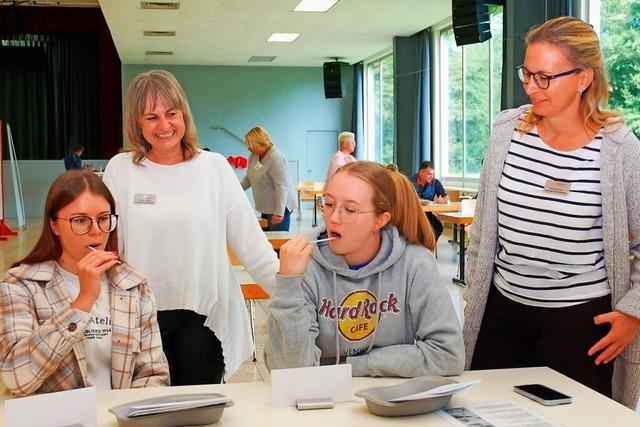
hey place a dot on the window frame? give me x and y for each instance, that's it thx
(369, 118)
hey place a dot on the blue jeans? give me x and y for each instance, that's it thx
(282, 226)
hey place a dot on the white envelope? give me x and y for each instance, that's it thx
(317, 382)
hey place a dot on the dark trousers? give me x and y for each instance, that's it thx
(281, 226)
(514, 335)
(435, 224)
(193, 351)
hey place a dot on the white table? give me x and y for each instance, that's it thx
(253, 403)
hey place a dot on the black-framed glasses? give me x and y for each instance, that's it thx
(542, 80)
(347, 214)
(81, 224)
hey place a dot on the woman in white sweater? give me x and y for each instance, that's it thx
(179, 208)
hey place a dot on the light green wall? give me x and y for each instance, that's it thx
(287, 101)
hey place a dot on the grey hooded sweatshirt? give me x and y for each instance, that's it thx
(392, 317)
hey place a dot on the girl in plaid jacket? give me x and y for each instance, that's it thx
(71, 314)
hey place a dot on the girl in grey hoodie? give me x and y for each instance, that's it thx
(371, 297)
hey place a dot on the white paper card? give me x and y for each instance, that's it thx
(64, 408)
(331, 381)
(443, 390)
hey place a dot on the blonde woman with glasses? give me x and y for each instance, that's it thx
(557, 218)
(371, 296)
(73, 314)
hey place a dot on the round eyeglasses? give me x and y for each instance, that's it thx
(346, 214)
(542, 80)
(81, 224)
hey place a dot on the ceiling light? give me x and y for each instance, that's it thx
(158, 52)
(262, 58)
(159, 33)
(283, 37)
(315, 5)
(159, 5)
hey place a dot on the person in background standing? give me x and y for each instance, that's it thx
(429, 187)
(347, 142)
(73, 159)
(268, 176)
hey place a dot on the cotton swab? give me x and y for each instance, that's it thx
(95, 250)
(323, 240)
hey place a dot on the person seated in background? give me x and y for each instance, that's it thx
(73, 159)
(347, 142)
(429, 187)
(73, 315)
(392, 167)
(372, 297)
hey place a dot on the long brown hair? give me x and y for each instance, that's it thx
(64, 190)
(153, 85)
(580, 44)
(393, 193)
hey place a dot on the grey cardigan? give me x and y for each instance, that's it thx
(620, 186)
(269, 178)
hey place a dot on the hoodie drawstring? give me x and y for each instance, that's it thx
(335, 299)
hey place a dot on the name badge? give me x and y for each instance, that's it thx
(557, 187)
(144, 199)
(258, 166)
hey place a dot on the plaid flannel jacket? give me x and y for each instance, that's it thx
(42, 338)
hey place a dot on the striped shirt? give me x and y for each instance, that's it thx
(550, 247)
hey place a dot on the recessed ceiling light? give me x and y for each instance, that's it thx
(315, 5)
(159, 5)
(159, 33)
(283, 37)
(262, 58)
(158, 52)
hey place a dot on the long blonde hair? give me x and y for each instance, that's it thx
(581, 46)
(154, 85)
(393, 193)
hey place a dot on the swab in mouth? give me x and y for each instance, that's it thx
(323, 240)
(95, 250)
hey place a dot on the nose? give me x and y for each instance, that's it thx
(530, 87)
(335, 217)
(94, 230)
(164, 123)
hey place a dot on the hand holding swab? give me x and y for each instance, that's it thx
(95, 250)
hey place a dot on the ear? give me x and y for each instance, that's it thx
(54, 227)
(383, 219)
(586, 78)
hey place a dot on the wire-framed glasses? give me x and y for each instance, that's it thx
(81, 224)
(542, 80)
(347, 214)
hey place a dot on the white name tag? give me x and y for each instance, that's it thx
(557, 186)
(317, 382)
(144, 199)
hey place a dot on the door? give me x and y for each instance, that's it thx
(321, 145)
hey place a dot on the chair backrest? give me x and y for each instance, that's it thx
(454, 195)
(468, 207)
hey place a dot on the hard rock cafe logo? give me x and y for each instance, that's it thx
(358, 313)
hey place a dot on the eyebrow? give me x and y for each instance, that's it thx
(345, 201)
(86, 214)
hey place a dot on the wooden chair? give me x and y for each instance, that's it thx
(251, 292)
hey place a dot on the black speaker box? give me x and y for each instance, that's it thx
(333, 78)
(470, 21)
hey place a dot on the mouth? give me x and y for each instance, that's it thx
(94, 245)
(166, 134)
(334, 234)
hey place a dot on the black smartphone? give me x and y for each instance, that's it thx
(542, 394)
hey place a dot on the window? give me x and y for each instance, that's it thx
(618, 24)
(379, 111)
(469, 101)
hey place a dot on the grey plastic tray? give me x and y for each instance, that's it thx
(191, 417)
(377, 398)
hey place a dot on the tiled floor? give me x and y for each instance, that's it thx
(16, 247)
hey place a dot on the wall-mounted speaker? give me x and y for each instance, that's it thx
(333, 78)
(471, 21)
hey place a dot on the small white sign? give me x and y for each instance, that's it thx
(64, 408)
(317, 382)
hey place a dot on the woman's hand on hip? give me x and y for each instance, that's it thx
(90, 270)
(294, 256)
(276, 219)
(624, 328)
